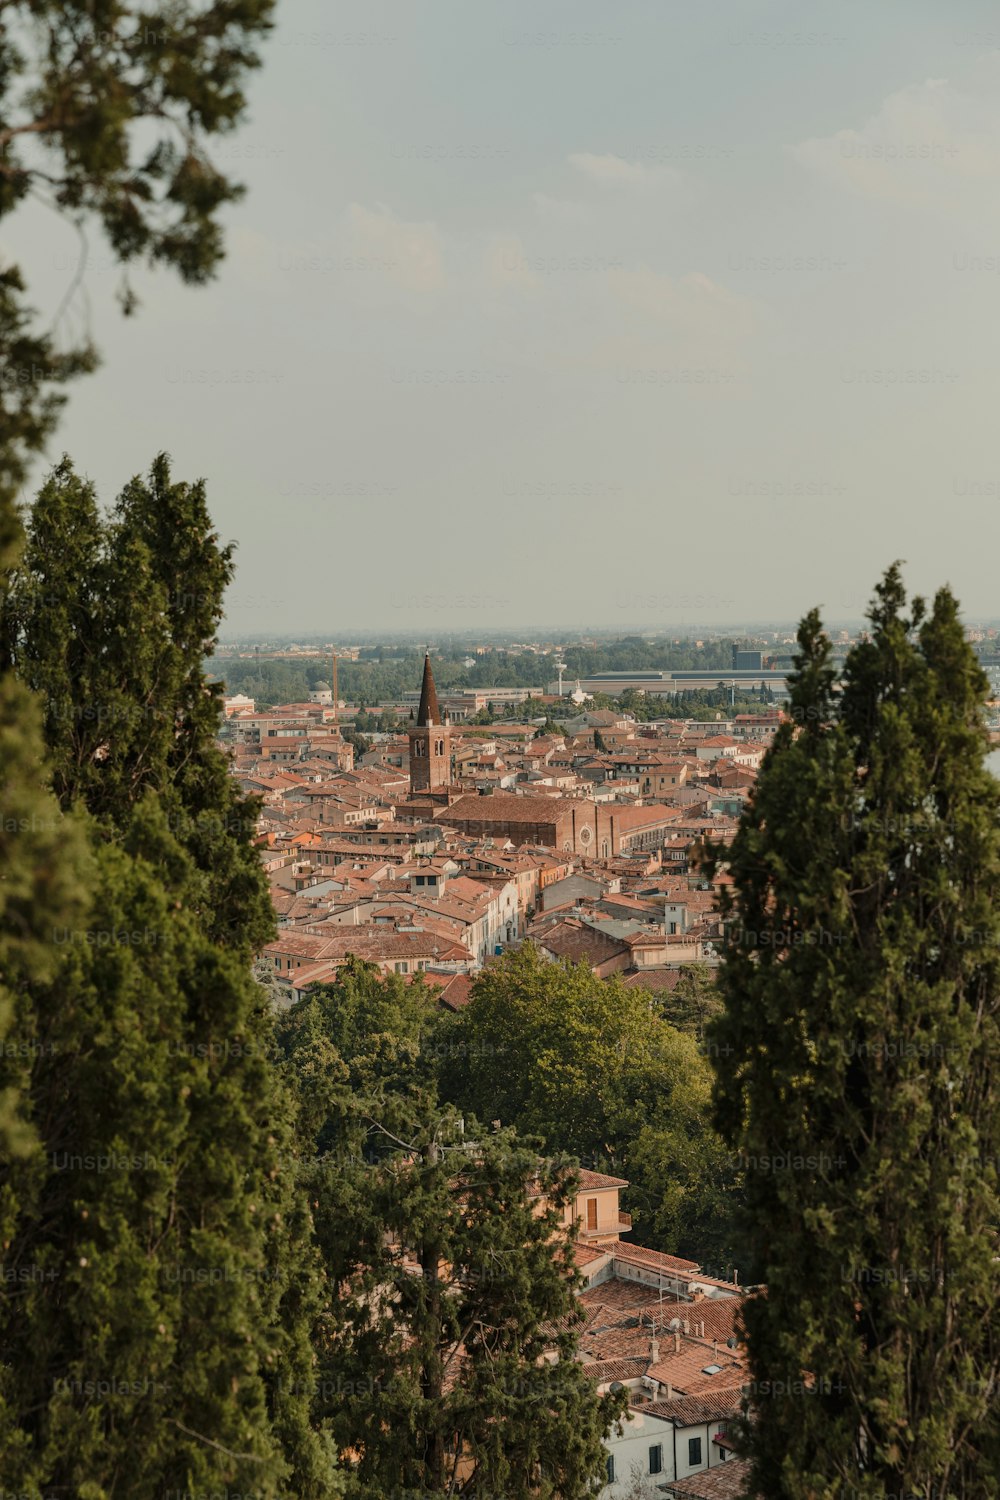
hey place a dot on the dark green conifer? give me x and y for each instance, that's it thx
(858, 1065)
(167, 1342)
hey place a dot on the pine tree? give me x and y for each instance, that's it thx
(857, 1065)
(693, 1001)
(167, 1341)
(469, 1364)
(450, 1280)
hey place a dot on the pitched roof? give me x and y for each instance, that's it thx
(604, 1371)
(455, 990)
(730, 1481)
(654, 1259)
(578, 943)
(687, 1369)
(691, 1411)
(593, 1181)
(428, 713)
(653, 980)
(506, 807)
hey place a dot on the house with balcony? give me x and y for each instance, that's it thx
(596, 1210)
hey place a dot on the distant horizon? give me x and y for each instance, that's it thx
(532, 634)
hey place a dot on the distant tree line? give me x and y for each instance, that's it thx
(270, 680)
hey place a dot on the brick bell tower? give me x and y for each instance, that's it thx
(430, 740)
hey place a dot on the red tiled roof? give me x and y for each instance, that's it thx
(572, 940)
(618, 1296)
(686, 1368)
(594, 1181)
(730, 1481)
(638, 1255)
(653, 980)
(606, 1370)
(455, 989)
(689, 1411)
(505, 807)
(585, 1255)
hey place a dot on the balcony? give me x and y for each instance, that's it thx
(624, 1220)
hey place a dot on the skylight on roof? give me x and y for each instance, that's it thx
(711, 1369)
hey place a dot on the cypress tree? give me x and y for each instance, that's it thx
(857, 1064)
(163, 1340)
(39, 852)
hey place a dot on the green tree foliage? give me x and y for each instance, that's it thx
(162, 1339)
(39, 849)
(857, 1067)
(108, 618)
(40, 873)
(685, 1185)
(635, 653)
(107, 110)
(447, 1285)
(694, 1000)
(361, 744)
(587, 1065)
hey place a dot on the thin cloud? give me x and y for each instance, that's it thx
(608, 168)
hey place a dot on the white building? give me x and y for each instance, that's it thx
(665, 1440)
(236, 702)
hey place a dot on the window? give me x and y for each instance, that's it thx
(611, 1468)
(591, 1213)
(694, 1451)
(656, 1459)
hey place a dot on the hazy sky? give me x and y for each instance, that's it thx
(555, 311)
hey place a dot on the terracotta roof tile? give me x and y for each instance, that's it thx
(689, 1411)
(594, 1181)
(604, 1371)
(729, 1481)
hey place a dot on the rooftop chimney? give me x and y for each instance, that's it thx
(677, 1341)
(654, 1350)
